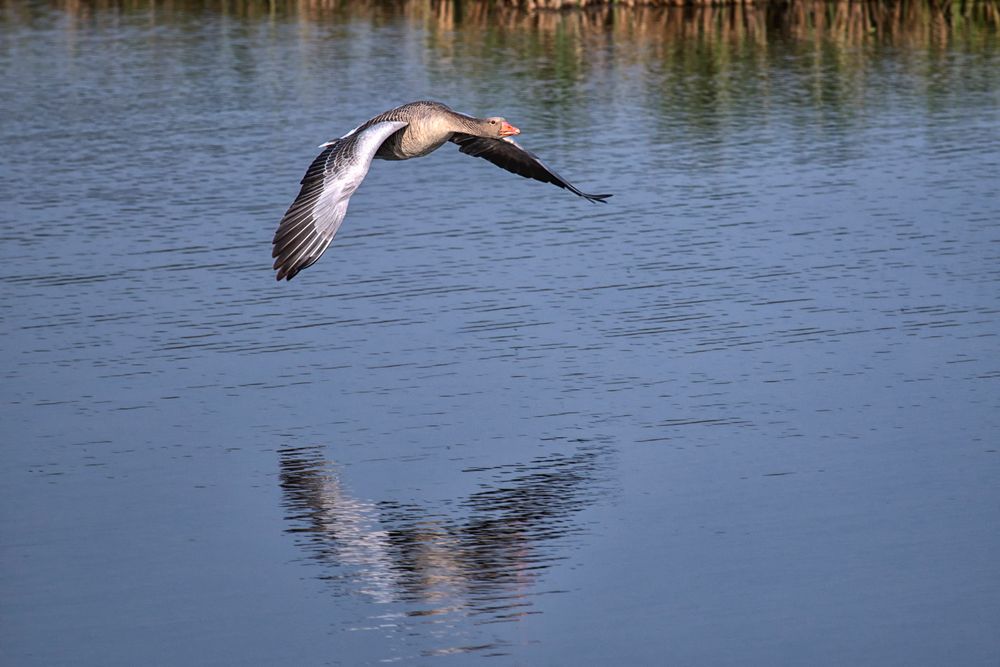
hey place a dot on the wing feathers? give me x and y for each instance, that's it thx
(508, 154)
(311, 222)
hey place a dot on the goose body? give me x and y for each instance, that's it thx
(408, 131)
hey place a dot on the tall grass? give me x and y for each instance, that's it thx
(917, 22)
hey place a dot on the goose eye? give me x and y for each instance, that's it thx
(493, 122)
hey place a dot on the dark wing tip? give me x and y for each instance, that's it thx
(286, 262)
(288, 267)
(589, 197)
(284, 273)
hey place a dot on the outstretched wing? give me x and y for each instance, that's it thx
(312, 220)
(508, 154)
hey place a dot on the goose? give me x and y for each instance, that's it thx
(408, 131)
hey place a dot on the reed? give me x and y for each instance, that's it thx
(913, 22)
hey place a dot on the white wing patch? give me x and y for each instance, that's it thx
(333, 141)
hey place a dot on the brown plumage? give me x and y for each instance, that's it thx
(409, 131)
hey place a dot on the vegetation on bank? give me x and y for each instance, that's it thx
(910, 22)
(945, 5)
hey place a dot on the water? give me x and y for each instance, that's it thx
(746, 413)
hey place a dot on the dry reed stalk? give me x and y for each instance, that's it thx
(845, 21)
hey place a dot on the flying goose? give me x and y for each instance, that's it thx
(408, 131)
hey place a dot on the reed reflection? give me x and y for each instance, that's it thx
(482, 558)
(691, 64)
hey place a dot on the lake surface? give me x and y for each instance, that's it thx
(746, 413)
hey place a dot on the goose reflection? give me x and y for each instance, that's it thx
(480, 559)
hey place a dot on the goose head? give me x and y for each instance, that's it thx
(498, 128)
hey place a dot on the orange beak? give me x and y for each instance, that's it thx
(507, 130)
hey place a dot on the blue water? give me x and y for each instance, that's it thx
(745, 413)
